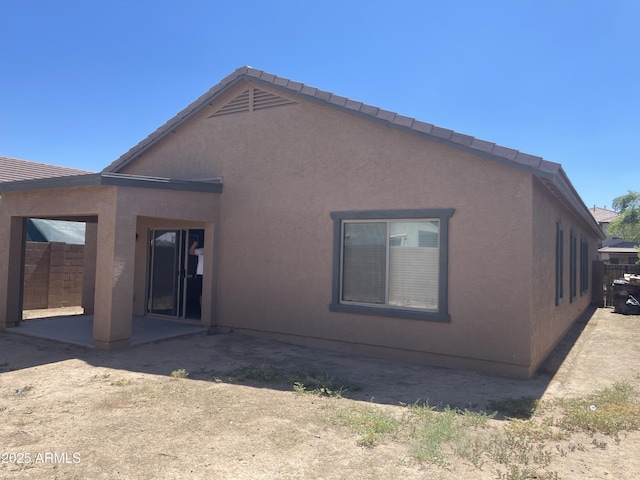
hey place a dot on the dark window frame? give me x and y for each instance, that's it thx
(442, 214)
(584, 265)
(559, 263)
(573, 265)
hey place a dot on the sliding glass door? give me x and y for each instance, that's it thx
(165, 272)
(173, 288)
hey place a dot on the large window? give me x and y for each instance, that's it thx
(392, 263)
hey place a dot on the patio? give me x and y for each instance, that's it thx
(77, 329)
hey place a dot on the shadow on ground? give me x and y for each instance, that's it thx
(237, 358)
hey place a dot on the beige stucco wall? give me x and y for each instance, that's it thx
(549, 322)
(84, 201)
(285, 169)
(269, 247)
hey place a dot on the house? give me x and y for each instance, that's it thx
(613, 250)
(327, 222)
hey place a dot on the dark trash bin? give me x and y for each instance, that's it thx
(625, 297)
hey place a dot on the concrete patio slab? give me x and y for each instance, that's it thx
(78, 329)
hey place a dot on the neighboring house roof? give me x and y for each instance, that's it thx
(619, 244)
(12, 169)
(602, 215)
(39, 230)
(550, 173)
(627, 247)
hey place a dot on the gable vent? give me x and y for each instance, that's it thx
(252, 100)
(242, 103)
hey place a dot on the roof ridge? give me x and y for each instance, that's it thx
(387, 116)
(534, 164)
(394, 118)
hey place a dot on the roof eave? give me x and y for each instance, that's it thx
(114, 179)
(507, 156)
(193, 108)
(564, 185)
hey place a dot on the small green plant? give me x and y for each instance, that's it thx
(516, 472)
(476, 419)
(431, 431)
(601, 444)
(24, 390)
(121, 382)
(536, 430)
(263, 373)
(320, 384)
(523, 457)
(608, 411)
(522, 408)
(371, 424)
(472, 449)
(180, 373)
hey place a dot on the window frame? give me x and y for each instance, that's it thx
(559, 263)
(584, 265)
(573, 265)
(440, 214)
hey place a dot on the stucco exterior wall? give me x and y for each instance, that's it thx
(285, 169)
(160, 209)
(113, 212)
(84, 202)
(550, 321)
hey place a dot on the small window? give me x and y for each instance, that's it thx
(392, 263)
(559, 263)
(573, 265)
(584, 266)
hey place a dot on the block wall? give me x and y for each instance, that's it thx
(52, 275)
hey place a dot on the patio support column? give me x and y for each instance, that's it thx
(209, 280)
(89, 268)
(12, 231)
(114, 278)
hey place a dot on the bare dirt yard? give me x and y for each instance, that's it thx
(237, 407)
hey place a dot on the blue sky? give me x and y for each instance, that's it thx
(81, 82)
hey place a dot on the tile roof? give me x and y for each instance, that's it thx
(602, 215)
(12, 169)
(368, 111)
(619, 249)
(552, 174)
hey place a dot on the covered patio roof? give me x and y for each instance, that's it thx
(213, 185)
